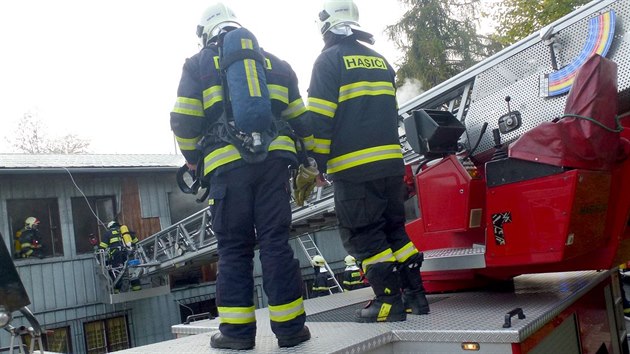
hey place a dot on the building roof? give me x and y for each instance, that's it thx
(51, 163)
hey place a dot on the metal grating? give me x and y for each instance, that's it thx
(517, 76)
(346, 313)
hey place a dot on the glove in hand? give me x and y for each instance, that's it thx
(304, 183)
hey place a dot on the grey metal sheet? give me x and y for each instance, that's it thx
(470, 316)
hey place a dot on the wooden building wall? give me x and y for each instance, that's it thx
(65, 291)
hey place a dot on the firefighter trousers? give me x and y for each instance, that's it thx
(372, 216)
(250, 205)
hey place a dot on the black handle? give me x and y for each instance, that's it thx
(508, 316)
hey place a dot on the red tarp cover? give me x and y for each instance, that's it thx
(575, 142)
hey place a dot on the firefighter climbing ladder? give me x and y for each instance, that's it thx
(311, 250)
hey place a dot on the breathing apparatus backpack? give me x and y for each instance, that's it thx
(248, 122)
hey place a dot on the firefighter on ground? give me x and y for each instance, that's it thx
(250, 202)
(27, 239)
(321, 285)
(352, 276)
(118, 241)
(352, 101)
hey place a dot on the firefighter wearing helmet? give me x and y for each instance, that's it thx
(27, 239)
(352, 276)
(321, 285)
(352, 102)
(249, 202)
(118, 241)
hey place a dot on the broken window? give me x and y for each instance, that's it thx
(48, 241)
(86, 213)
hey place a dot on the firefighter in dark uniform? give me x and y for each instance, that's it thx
(27, 239)
(320, 283)
(250, 202)
(352, 100)
(118, 241)
(352, 275)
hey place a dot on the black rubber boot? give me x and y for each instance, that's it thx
(415, 302)
(382, 309)
(221, 341)
(387, 306)
(291, 341)
(414, 297)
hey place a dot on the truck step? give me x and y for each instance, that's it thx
(454, 259)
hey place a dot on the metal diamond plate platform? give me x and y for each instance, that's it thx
(470, 316)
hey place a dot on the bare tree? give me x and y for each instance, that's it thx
(30, 138)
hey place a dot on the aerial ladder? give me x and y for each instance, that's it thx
(191, 241)
(310, 250)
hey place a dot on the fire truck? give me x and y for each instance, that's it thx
(518, 170)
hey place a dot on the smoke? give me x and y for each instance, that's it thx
(409, 89)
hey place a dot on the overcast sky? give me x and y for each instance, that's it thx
(108, 70)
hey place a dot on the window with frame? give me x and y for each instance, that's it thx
(48, 232)
(85, 215)
(58, 340)
(108, 335)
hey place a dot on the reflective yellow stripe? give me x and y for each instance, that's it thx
(188, 106)
(280, 93)
(187, 144)
(283, 142)
(321, 288)
(322, 146)
(229, 153)
(217, 65)
(363, 157)
(322, 107)
(114, 239)
(385, 256)
(103, 245)
(294, 109)
(286, 312)
(356, 282)
(212, 95)
(251, 73)
(309, 143)
(365, 88)
(405, 252)
(237, 315)
(383, 312)
(220, 157)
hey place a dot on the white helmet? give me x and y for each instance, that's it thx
(215, 19)
(112, 224)
(339, 16)
(31, 222)
(350, 261)
(318, 261)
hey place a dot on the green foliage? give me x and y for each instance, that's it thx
(438, 39)
(518, 19)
